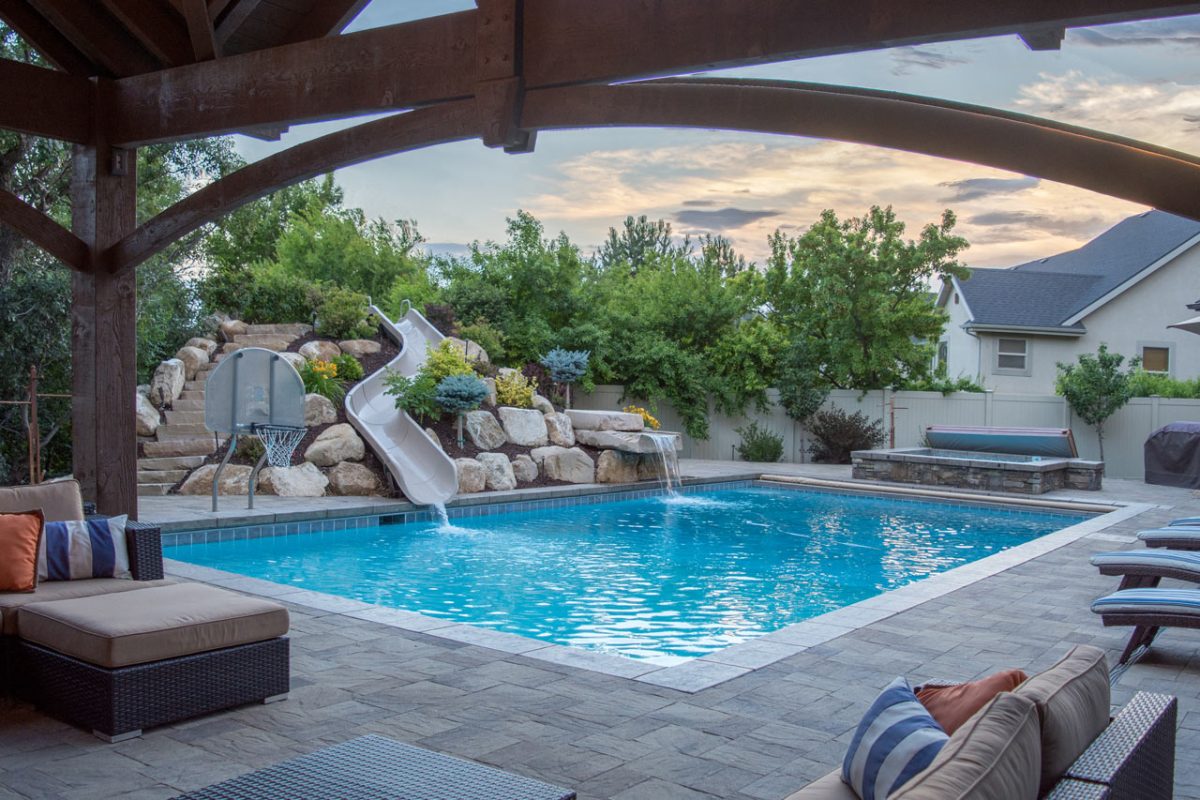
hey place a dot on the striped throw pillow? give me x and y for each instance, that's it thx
(91, 548)
(895, 740)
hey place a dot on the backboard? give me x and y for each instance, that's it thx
(253, 386)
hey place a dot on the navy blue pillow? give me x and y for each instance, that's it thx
(895, 740)
(91, 548)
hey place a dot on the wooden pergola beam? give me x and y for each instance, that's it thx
(326, 16)
(43, 231)
(101, 38)
(53, 46)
(1132, 170)
(44, 102)
(566, 42)
(200, 30)
(157, 28)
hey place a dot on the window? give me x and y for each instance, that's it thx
(943, 354)
(1156, 358)
(1012, 355)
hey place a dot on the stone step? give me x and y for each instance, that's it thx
(196, 385)
(170, 463)
(271, 341)
(190, 404)
(191, 394)
(195, 446)
(293, 329)
(170, 476)
(181, 431)
(154, 489)
(189, 417)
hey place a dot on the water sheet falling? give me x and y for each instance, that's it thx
(664, 445)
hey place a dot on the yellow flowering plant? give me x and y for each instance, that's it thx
(321, 377)
(651, 423)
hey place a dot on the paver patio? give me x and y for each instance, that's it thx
(761, 735)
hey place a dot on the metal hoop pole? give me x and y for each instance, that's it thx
(228, 454)
(254, 476)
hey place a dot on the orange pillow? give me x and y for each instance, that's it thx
(20, 537)
(951, 706)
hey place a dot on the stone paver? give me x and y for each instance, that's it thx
(760, 734)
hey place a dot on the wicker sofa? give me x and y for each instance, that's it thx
(116, 656)
(1132, 757)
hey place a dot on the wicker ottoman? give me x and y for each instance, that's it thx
(122, 662)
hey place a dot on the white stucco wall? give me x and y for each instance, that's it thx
(962, 360)
(1137, 317)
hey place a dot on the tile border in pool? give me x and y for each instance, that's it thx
(691, 676)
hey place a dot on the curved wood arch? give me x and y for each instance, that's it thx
(1131, 170)
(450, 122)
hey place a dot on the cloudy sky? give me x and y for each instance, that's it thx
(1140, 80)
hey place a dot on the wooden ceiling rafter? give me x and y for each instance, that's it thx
(237, 13)
(45, 38)
(200, 29)
(98, 35)
(326, 16)
(157, 26)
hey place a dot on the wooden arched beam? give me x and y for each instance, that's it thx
(1131, 170)
(449, 122)
(43, 231)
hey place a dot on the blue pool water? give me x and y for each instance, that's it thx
(659, 578)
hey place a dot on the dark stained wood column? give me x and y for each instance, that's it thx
(104, 330)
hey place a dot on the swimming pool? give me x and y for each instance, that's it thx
(659, 578)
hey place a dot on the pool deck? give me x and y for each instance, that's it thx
(761, 734)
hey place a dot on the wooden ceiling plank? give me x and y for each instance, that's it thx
(44, 102)
(328, 16)
(53, 46)
(237, 13)
(216, 8)
(200, 29)
(99, 36)
(157, 28)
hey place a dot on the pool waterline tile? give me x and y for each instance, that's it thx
(694, 675)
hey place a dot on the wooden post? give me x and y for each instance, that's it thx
(104, 328)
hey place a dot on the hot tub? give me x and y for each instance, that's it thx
(999, 472)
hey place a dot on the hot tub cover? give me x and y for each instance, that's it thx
(1173, 455)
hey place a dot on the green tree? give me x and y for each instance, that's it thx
(1096, 387)
(638, 242)
(857, 293)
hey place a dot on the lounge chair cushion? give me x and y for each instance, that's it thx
(1151, 602)
(1150, 562)
(64, 590)
(831, 787)
(996, 755)
(58, 500)
(953, 705)
(118, 630)
(1073, 700)
(20, 535)
(1180, 537)
(896, 739)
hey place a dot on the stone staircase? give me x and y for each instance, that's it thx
(182, 443)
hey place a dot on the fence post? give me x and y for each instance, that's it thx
(1155, 406)
(988, 412)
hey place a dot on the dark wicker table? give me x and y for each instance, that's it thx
(376, 768)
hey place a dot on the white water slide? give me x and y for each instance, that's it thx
(424, 473)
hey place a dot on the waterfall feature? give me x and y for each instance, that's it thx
(664, 445)
(443, 517)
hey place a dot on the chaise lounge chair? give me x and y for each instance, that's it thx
(1144, 569)
(1176, 537)
(1185, 521)
(1148, 610)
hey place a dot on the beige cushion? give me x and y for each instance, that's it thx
(117, 630)
(996, 755)
(831, 787)
(1073, 699)
(60, 501)
(63, 590)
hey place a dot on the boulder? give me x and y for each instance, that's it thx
(336, 443)
(230, 328)
(201, 343)
(318, 410)
(210, 324)
(234, 480)
(232, 347)
(360, 347)
(490, 383)
(167, 383)
(572, 466)
(561, 431)
(613, 466)
(144, 390)
(320, 350)
(540, 454)
(622, 440)
(472, 477)
(524, 426)
(295, 359)
(524, 469)
(605, 420)
(353, 480)
(302, 480)
(473, 352)
(499, 471)
(650, 467)
(432, 434)
(147, 416)
(484, 431)
(193, 359)
(504, 372)
(542, 404)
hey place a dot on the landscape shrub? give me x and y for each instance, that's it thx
(250, 448)
(445, 360)
(459, 393)
(543, 384)
(348, 367)
(482, 333)
(941, 384)
(838, 434)
(321, 377)
(342, 314)
(759, 444)
(1148, 384)
(416, 395)
(442, 317)
(514, 389)
(271, 295)
(566, 367)
(651, 421)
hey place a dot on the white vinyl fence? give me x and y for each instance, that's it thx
(1125, 432)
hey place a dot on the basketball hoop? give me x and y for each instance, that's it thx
(280, 441)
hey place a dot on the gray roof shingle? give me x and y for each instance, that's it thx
(1047, 292)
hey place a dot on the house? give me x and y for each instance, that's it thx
(1009, 328)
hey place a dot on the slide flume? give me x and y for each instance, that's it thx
(424, 473)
